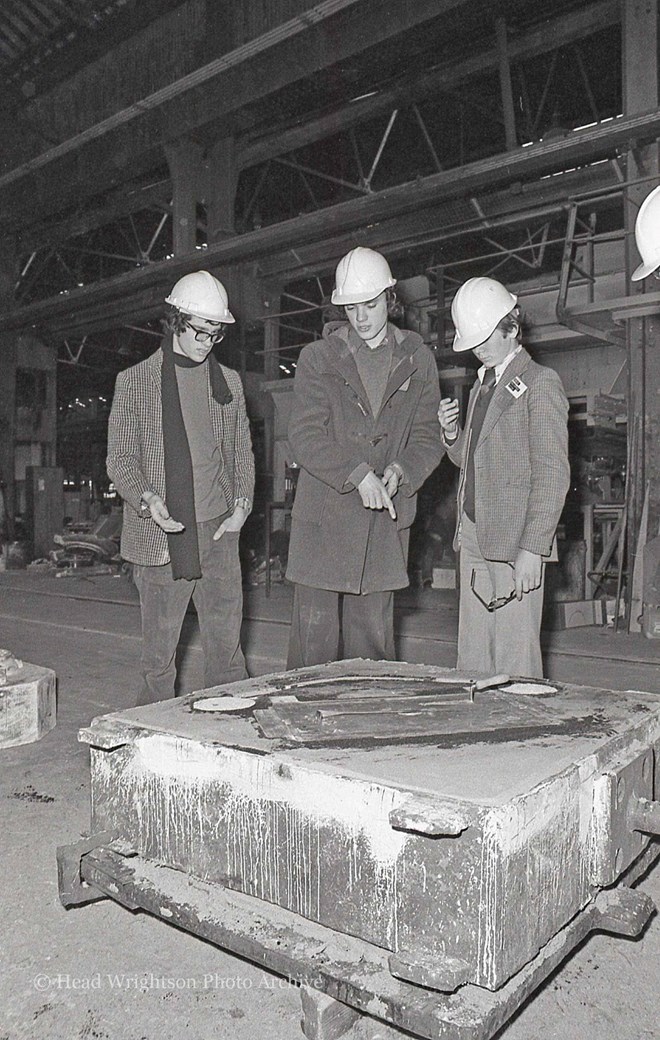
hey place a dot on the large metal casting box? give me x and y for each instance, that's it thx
(28, 701)
(458, 829)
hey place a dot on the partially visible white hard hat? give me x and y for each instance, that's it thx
(361, 275)
(647, 235)
(476, 309)
(202, 295)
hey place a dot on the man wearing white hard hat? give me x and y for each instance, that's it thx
(647, 236)
(513, 457)
(180, 456)
(363, 430)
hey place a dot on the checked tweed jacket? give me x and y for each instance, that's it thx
(136, 461)
(520, 462)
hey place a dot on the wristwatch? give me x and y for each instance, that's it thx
(244, 503)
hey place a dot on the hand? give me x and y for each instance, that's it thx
(160, 514)
(232, 523)
(374, 494)
(527, 571)
(392, 477)
(448, 415)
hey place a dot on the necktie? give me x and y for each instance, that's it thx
(478, 415)
(488, 382)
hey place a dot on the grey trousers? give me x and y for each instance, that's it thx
(218, 599)
(367, 626)
(508, 639)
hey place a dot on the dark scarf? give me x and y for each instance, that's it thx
(179, 483)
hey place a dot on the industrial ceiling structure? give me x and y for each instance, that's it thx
(147, 138)
(436, 131)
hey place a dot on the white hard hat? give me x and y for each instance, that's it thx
(203, 296)
(647, 235)
(361, 275)
(477, 307)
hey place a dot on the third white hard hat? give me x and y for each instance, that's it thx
(361, 275)
(476, 309)
(647, 235)
(202, 295)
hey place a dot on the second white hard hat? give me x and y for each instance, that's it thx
(361, 275)
(476, 309)
(647, 235)
(202, 295)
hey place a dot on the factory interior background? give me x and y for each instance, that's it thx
(262, 140)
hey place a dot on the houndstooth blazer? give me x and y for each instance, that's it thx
(521, 463)
(136, 459)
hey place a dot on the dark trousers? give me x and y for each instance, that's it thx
(367, 626)
(218, 599)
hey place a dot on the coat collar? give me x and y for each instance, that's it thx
(404, 361)
(154, 365)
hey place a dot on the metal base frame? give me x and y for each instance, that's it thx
(347, 970)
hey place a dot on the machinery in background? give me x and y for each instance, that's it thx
(89, 547)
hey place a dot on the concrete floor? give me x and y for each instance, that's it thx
(101, 973)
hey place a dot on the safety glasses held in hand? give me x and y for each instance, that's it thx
(494, 604)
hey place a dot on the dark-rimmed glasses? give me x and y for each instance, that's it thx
(202, 335)
(494, 604)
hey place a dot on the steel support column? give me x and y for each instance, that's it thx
(640, 94)
(184, 158)
(505, 85)
(272, 300)
(8, 354)
(220, 190)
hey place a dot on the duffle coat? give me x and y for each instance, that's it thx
(336, 543)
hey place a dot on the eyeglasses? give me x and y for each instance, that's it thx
(202, 335)
(495, 604)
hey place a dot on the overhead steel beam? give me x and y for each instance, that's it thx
(543, 158)
(119, 204)
(251, 151)
(108, 313)
(555, 33)
(201, 77)
(446, 223)
(58, 63)
(326, 33)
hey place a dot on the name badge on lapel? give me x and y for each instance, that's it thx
(516, 387)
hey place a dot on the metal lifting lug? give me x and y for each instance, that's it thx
(624, 816)
(644, 815)
(73, 889)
